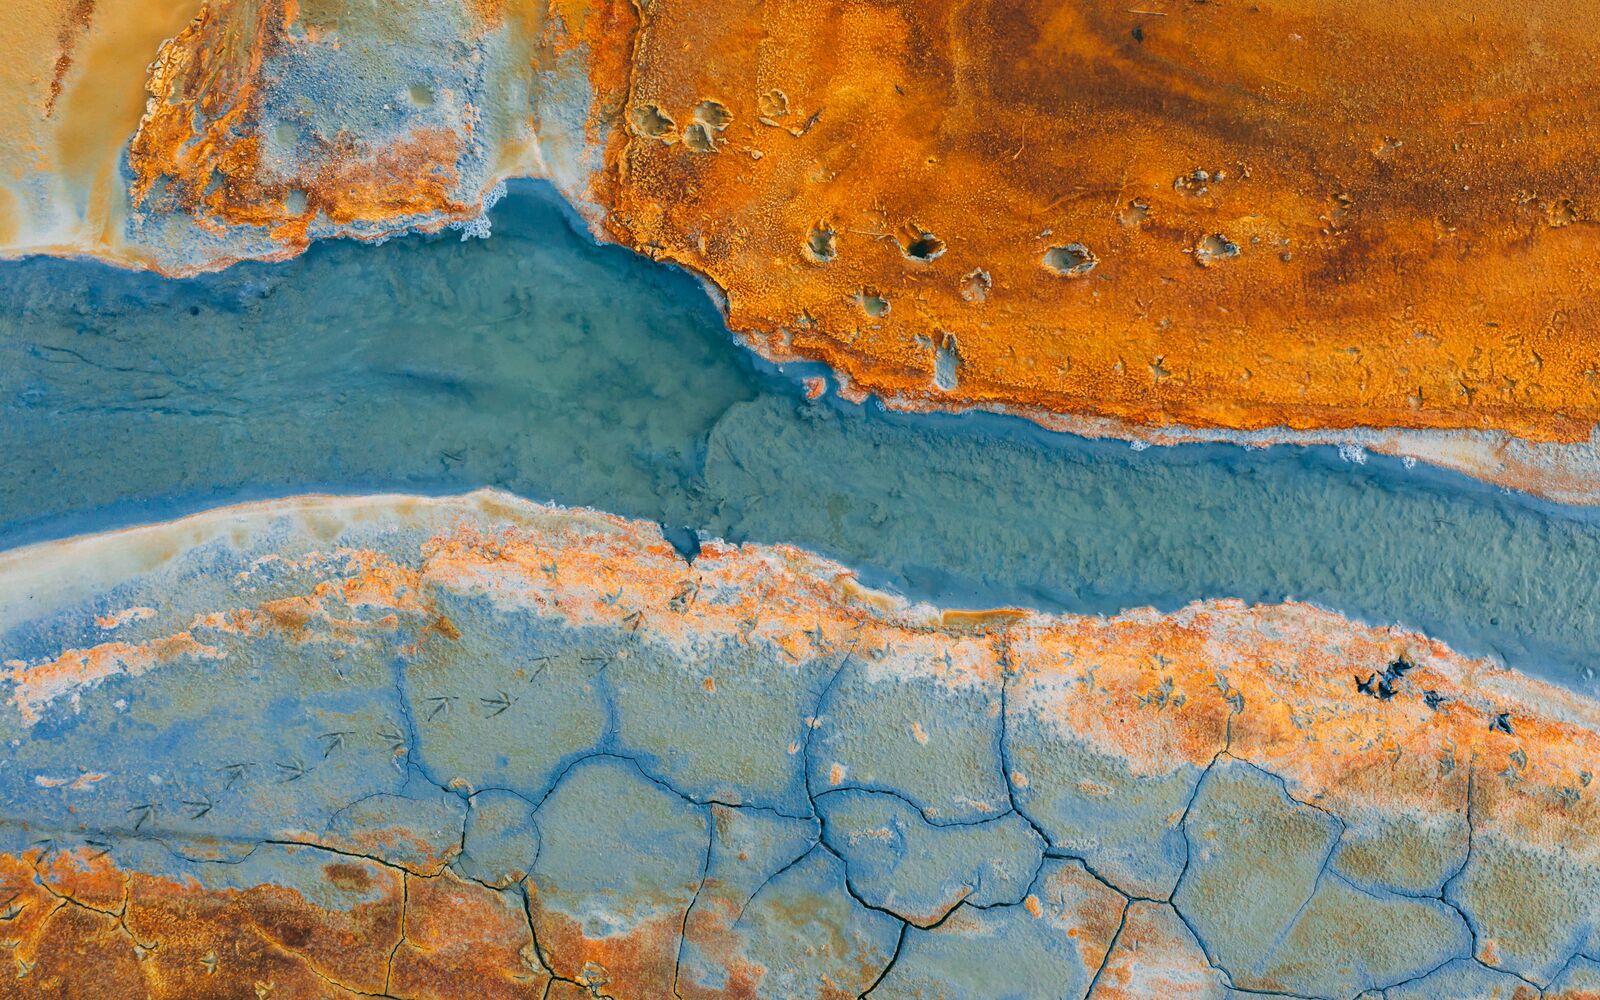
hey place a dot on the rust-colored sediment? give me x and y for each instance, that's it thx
(1302, 213)
(81, 927)
(1276, 679)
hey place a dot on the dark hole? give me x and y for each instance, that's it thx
(685, 540)
(1070, 261)
(925, 247)
(1382, 686)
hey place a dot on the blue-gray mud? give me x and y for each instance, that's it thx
(832, 817)
(542, 363)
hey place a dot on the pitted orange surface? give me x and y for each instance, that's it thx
(1306, 214)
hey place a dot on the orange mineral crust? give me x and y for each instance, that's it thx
(208, 75)
(186, 135)
(1271, 798)
(290, 120)
(1298, 214)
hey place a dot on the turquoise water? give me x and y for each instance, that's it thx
(541, 363)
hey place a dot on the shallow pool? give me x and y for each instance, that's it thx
(542, 363)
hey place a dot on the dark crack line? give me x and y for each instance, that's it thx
(410, 762)
(1305, 904)
(1288, 793)
(894, 957)
(1006, 674)
(1566, 967)
(815, 722)
(405, 906)
(1111, 948)
(815, 844)
(1466, 858)
(312, 968)
(1183, 828)
(850, 888)
(538, 949)
(948, 824)
(683, 928)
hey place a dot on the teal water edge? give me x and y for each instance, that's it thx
(544, 364)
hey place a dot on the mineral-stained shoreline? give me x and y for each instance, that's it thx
(1283, 222)
(480, 747)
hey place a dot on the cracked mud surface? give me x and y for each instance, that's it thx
(474, 746)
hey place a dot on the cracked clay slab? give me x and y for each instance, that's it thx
(478, 746)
